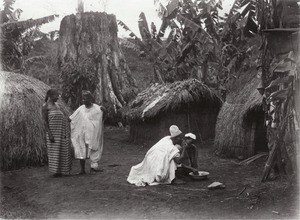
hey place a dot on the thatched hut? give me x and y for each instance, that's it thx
(189, 104)
(22, 132)
(240, 129)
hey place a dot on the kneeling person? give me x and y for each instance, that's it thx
(189, 159)
(160, 162)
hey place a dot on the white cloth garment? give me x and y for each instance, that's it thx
(87, 129)
(158, 166)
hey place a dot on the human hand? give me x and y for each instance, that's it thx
(195, 172)
(178, 147)
(103, 108)
(184, 144)
(51, 138)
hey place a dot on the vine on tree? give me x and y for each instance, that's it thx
(78, 76)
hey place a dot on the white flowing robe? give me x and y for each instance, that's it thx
(87, 128)
(158, 166)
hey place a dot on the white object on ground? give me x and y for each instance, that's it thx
(216, 185)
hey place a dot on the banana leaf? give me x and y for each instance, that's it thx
(279, 81)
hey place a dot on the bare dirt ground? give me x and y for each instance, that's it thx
(32, 193)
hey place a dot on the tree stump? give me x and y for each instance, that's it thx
(93, 36)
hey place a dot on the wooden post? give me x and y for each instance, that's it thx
(188, 117)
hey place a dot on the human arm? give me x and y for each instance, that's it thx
(103, 109)
(45, 113)
(181, 157)
(195, 171)
(191, 157)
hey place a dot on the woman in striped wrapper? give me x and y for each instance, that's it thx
(58, 136)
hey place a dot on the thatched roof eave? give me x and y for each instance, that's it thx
(161, 98)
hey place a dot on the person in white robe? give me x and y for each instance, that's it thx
(160, 162)
(87, 132)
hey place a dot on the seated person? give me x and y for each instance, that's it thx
(158, 166)
(189, 161)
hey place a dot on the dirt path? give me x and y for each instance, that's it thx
(31, 193)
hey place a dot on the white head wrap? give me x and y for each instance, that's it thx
(174, 131)
(190, 135)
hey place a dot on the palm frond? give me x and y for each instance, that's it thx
(129, 45)
(8, 9)
(131, 34)
(210, 14)
(156, 46)
(165, 8)
(235, 7)
(188, 22)
(126, 28)
(35, 59)
(24, 25)
(165, 23)
(170, 37)
(153, 30)
(143, 26)
(147, 38)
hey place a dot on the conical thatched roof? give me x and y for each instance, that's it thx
(242, 100)
(22, 131)
(170, 96)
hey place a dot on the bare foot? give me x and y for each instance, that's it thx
(177, 181)
(96, 170)
(57, 175)
(81, 173)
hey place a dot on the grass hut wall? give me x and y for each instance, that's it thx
(22, 132)
(240, 129)
(189, 104)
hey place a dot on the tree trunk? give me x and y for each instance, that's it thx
(93, 35)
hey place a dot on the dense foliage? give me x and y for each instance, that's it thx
(201, 44)
(41, 62)
(17, 37)
(78, 76)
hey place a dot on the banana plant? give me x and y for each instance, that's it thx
(282, 117)
(17, 36)
(149, 44)
(172, 59)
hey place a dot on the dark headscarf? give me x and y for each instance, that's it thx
(50, 93)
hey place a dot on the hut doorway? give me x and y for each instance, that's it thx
(256, 134)
(261, 144)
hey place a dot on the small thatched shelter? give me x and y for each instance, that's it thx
(189, 104)
(22, 132)
(240, 129)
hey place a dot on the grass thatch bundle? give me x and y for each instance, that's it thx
(160, 98)
(22, 131)
(242, 102)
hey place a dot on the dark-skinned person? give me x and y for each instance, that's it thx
(57, 135)
(87, 133)
(189, 160)
(160, 161)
